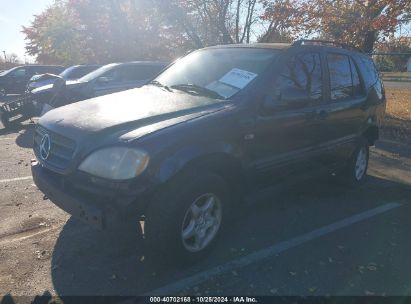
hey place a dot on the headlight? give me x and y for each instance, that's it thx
(116, 163)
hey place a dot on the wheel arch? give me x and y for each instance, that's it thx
(219, 158)
(371, 134)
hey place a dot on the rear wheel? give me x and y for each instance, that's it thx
(184, 221)
(356, 171)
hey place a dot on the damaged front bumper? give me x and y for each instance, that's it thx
(100, 211)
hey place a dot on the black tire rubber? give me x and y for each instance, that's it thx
(4, 118)
(348, 175)
(165, 215)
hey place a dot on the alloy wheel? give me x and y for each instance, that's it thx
(201, 222)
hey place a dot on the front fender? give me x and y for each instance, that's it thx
(198, 153)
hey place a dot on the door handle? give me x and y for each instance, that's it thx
(310, 115)
(322, 115)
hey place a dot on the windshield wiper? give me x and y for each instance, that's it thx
(185, 87)
(159, 84)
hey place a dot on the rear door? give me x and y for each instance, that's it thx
(345, 110)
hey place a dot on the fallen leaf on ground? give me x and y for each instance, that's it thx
(372, 267)
(312, 289)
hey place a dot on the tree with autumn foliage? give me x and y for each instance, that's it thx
(76, 31)
(358, 22)
(56, 36)
(210, 22)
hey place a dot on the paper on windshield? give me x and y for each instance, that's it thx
(238, 78)
(222, 89)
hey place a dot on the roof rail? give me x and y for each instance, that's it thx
(325, 43)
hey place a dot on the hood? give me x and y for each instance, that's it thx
(127, 115)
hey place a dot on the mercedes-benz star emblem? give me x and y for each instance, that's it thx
(45, 146)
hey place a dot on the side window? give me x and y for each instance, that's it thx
(302, 73)
(109, 77)
(77, 73)
(42, 70)
(341, 83)
(51, 70)
(371, 76)
(19, 73)
(356, 82)
(137, 73)
(151, 71)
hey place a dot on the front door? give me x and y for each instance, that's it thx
(18, 80)
(285, 136)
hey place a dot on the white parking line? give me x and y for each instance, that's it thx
(15, 179)
(8, 240)
(258, 256)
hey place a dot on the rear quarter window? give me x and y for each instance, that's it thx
(368, 70)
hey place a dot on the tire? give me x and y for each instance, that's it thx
(4, 118)
(181, 209)
(356, 171)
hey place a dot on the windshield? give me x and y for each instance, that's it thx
(97, 73)
(223, 72)
(6, 72)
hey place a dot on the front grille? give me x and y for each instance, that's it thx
(61, 148)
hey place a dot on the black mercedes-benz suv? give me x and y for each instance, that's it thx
(180, 151)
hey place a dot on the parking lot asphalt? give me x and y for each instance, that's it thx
(314, 238)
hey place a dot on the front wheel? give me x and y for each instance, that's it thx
(184, 221)
(4, 119)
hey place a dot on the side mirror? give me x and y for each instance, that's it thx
(291, 98)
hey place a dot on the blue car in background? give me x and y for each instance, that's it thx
(72, 73)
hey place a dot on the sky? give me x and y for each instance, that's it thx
(14, 14)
